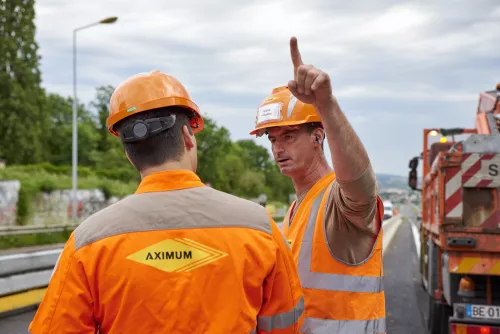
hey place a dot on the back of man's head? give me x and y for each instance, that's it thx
(167, 146)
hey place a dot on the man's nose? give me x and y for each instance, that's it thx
(277, 148)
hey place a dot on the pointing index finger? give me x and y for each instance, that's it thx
(295, 53)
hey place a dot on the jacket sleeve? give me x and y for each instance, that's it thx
(67, 306)
(283, 308)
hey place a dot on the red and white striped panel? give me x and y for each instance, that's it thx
(481, 170)
(476, 171)
(453, 204)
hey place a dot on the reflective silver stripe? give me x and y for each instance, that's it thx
(323, 326)
(291, 105)
(325, 281)
(253, 332)
(281, 320)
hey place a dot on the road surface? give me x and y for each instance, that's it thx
(406, 301)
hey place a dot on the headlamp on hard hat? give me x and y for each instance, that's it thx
(144, 129)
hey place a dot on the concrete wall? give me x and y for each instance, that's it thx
(9, 193)
(50, 208)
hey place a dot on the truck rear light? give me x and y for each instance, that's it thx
(473, 329)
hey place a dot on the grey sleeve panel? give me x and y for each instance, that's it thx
(201, 207)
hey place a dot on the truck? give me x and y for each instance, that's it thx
(460, 222)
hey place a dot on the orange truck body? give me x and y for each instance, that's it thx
(460, 224)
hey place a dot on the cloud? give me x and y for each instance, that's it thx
(395, 66)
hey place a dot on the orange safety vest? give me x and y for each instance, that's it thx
(176, 257)
(339, 298)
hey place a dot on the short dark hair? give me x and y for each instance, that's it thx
(166, 146)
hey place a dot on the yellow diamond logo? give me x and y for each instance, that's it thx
(177, 255)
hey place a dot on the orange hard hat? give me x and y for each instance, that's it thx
(282, 108)
(146, 91)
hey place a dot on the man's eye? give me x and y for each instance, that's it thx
(288, 137)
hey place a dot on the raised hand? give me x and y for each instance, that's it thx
(310, 85)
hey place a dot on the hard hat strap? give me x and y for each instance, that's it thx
(143, 129)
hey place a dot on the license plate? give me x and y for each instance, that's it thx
(482, 311)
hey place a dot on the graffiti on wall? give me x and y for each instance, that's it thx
(57, 207)
(51, 208)
(9, 193)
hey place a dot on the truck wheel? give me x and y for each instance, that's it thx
(446, 314)
(438, 317)
(434, 325)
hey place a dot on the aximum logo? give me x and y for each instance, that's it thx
(177, 255)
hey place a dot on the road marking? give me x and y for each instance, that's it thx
(416, 238)
(390, 227)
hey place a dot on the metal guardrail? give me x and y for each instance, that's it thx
(24, 272)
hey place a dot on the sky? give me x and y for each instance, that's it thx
(396, 66)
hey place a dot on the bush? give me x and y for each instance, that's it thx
(35, 239)
(46, 178)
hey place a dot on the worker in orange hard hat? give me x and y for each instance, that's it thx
(177, 256)
(337, 212)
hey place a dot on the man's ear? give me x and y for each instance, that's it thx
(319, 136)
(188, 137)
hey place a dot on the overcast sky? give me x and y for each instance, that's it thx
(396, 67)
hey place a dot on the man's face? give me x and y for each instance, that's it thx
(293, 149)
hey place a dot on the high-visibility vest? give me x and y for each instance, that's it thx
(175, 257)
(339, 298)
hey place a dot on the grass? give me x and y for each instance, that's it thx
(35, 239)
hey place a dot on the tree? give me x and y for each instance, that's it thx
(58, 145)
(21, 97)
(256, 156)
(278, 186)
(100, 105)
(214, 144)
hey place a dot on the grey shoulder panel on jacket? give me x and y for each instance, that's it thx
(201, 207)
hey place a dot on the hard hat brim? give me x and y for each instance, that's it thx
(159, 103)
(264, 126)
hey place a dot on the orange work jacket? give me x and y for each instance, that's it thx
(175, 257)
(339, 298)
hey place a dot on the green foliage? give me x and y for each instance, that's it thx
(36, 134)
(35, 239)
(45, 177)
(22, 111)
(243, 168)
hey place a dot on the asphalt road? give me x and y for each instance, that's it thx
(406, 301)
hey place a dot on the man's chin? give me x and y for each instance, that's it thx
(287, 170)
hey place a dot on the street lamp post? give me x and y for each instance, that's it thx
(108, 20)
